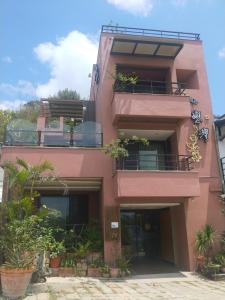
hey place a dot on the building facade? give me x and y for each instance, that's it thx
(149, 84)
(220, 135)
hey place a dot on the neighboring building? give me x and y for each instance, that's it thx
(156, 199)
(220, 134)
(1, 183)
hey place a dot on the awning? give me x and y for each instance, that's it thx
(70, 184)
(157, 48)
(62, 108)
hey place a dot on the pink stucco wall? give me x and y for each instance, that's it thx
(197, 190)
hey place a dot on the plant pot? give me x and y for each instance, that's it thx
(54, 272)
(66, 271)
(94, 256)
(200, 261)
(15, 282)
(55, 262)
(114, 272)
(93, 272)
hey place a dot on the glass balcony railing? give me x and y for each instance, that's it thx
(52, 138)
(162, 162)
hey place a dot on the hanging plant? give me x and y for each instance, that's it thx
(117, 147)
(193, 146)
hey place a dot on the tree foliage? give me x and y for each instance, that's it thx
(66, 94)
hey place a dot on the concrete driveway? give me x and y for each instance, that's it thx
(184, 286)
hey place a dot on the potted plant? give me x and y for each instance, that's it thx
(211, 269)
(105, 271)
(94, 237)
(94, 268)
(81, 252)
(220, 259)
(67, 266)
(124, 265)
(21, 240)
(56, 250)
(203, 244)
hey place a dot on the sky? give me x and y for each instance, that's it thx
(50, 45)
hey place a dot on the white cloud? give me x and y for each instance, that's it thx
(7, 59)
(70, 60)
(11, 105)
(136, 7)
(221, 53)
(23, 88)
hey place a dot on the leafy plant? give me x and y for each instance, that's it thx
(55, 248)
(105, 269)
(96, 263)
(123, 264)
(204, 240)
(82, 250)
(21, 240)
(117, 148)
(94, 236)
(220, 259)
(68, 262)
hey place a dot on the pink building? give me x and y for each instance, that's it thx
(153, 201)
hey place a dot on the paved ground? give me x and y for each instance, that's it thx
(169, 287)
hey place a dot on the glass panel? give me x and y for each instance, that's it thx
(148, 159)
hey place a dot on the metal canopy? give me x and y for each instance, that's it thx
(62, 108)
(154, 48)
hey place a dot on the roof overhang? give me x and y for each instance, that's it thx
(70, 184)
(147, 205)
(152, 48)
(62, 108)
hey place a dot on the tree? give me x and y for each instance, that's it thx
(5, 117)
(66, 94)
(29, 111)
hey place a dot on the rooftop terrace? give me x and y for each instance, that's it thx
(150, 32)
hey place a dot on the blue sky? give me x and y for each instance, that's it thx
(48, 45)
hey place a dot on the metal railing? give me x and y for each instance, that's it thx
(166, 162)
(222, 161)
(151, 87)
(52, 138)
(151, 32)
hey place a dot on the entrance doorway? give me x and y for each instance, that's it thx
(146, 236)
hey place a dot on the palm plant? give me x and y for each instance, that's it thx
(204, 240)
(22, 175)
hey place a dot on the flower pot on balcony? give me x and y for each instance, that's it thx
(55, 262)
(15, 282)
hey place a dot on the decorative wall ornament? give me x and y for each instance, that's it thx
(192, 145)
(196, 116)
(203, 134)
(193, 101)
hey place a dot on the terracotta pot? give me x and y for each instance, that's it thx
(15, 282)
(200, 261)
(93, 272)
(114, 272)
(55, 262)
(66, 271)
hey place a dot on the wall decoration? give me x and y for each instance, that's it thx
(97, 74)
(192, 145)
(203, 134)
(196, 116)
(193, 101)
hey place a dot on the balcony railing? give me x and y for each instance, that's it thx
(222, 161)
(150, 32)
(164, 162)
(150, 87)
(52, 138)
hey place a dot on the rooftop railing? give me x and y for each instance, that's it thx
(151, 87)
(163, 162)
(151, 32)
(52, 138)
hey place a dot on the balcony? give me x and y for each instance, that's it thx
(156, 176)
(154, 99)
(166, 162)
(52, 138)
